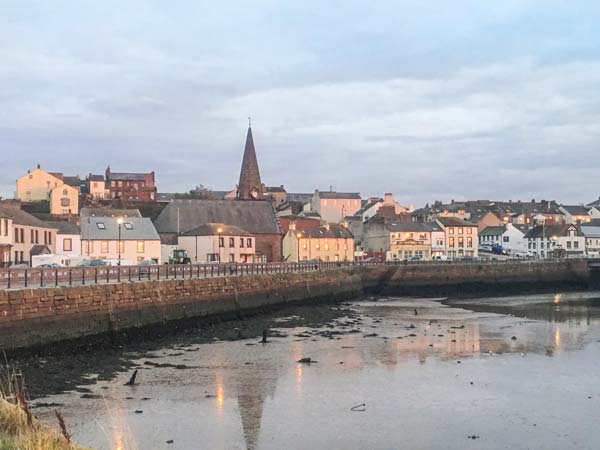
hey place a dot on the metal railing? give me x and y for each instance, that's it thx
(72, 276)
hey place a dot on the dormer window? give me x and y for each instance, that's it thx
(101, 226)
(128, 226)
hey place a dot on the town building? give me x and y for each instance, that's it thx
(68, 241)
(255, 217)
(511, 237)
(401, 239)
(60, 191)
(96, 186)
(438, 240)
(6, 238)
(329, 242)
(485, 219)
(129, 186)
(218, 242)
(591, 231)
(277, 195)
(575, 213)
(109, 212)
(30, 236)
(332, 206)
(460, 236)
(373, 204)
(301, 222)
(545, 241)
(132, 241)
(250, 186)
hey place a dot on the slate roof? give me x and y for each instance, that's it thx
(432, 226)
(74, 181)
(345, 195)
(126, 176)
(142, 229)
(109, 212)
(493, 231)
(212, 229)
(254, 216)
(21, 217)
(591, 228)
(92, 177)
(406, 226)
(576, 210)
(274, 189)
(547, 231)
(65, 227)
(40, 249)
(334, 232)
(299, 197)
(594, 203)
(455, 222)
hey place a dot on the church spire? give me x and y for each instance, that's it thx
(250, 186)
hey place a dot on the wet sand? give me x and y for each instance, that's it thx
(513, 372)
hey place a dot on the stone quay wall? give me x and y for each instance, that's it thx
(40, 316)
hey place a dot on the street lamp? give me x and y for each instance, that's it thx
(119, 222)
(219, 231)
(299, 235)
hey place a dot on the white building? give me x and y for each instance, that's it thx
(556, 241)
(373, 204)
(332, 207)
(68, 242)
(591, 231)
(217, 242)
(510, 237)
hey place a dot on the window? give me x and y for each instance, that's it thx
(32, 236)
(5, 227)
(461, 242)
(128, 226)
(575, 244)
(249, 242)
(65, 202)
(451, 242)
(231, 257)
(568, 244)
(88, 247)
(422, 236)
(65, 192)
(317, 246)
(505, 238)
(469, 241)
(451, 230)
(67, 245)
(461, 230)
(104, 246)
(221, 242)
(22, 235)
(101, 226)
(469, 230)
(231, 242)
(140, 246)
(241, 242)
(326, 247)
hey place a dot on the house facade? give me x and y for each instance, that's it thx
(218, 242)
(131, 186)
(62, 192)
(546, 241)
(461, 237)
(96, 186)
(64, 200)
(332, 207)
(591, 231)
(510, 237)
(330, 242)
(136, 241)
(6, 235)
(575, 213)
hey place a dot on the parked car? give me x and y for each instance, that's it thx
(92, 263)
(145, 266)
(49, 266)
(440, 258)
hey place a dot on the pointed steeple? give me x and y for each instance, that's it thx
(250, 186)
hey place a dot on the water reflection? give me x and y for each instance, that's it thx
(245, 395)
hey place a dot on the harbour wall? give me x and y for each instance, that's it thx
(42, 316)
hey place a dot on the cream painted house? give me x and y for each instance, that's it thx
(5, 239)
(330, 242)
(461, 237)
(332, 207)
(64, 199)
(36, 185)
(29, 235)
(132, 241)
(214, 242)
(61, 192)
(96, 185)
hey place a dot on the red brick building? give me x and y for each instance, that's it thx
(131, 186)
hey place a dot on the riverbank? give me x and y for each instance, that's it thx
(42, 316)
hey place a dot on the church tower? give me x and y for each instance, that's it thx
(250, 186)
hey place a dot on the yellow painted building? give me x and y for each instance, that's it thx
(39, 185)
(64, 199)
(330, 242)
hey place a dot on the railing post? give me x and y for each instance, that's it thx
(8, 281)
(70, 277)
(25, 277)
(95, 275)
(41, 277)
(83, 275)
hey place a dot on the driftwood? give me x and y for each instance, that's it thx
(131, 381)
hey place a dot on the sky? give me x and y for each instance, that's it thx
(430, 100)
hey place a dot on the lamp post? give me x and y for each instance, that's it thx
(219, 231)
(299, 235)
(119, 222)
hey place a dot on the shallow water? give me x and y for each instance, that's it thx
(514, 372)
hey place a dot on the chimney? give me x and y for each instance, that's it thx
(533, 200)
(388, 197)
(38, 166)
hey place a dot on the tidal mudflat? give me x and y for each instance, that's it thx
(519, 372)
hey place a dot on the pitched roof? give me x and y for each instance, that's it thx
(299, 197)
(345, 195)
(65, 227)
(21, 217)
(333, 231)
(493, 231)
(274, 189)
(548, 231)
(591, 228)
(92, 177)
(212, 229)
(256, 217)
(249, 174)
(109, 212)
(140, 229)
(126, 176)
(396, 226)
(39, 249)
(576, 210)
(74, 181)
(595, 202)
(455, 222)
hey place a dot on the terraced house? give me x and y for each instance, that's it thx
(461, 237)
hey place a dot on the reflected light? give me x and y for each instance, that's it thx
(119, 441)
(299, 373)
(557, 338)
(556, 298)
(220, 397)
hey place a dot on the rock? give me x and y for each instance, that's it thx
(138, 411)
(308, 360)
(170, 441)
(514, 338)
